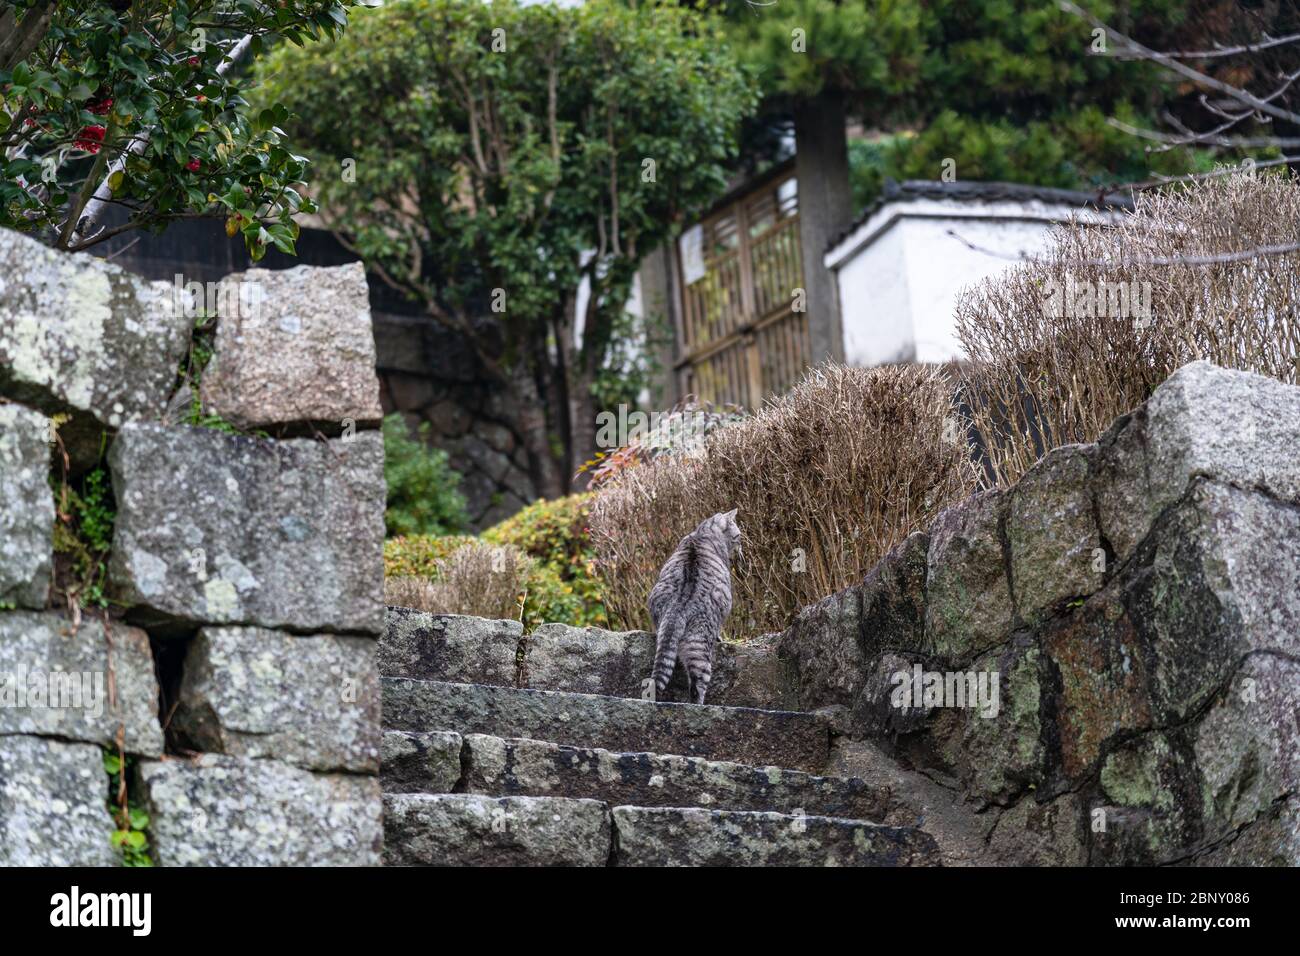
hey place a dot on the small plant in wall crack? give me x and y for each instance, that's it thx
(130, 834)
(190, 374)
(83, 533)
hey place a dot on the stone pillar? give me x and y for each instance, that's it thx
(825, 210)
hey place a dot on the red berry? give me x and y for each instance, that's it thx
(193, 61)
(193, 165)
(100, 107)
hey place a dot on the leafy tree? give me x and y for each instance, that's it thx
(1007, 89)
(491, 160)
(133, 104)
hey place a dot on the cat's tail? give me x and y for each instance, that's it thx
(669, 636)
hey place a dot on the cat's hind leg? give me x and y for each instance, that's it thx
(700, 687)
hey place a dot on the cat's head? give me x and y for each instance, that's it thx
(724, 524)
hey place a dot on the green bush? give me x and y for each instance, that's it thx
(555, 534)
(417, 556)
(423, 497)
(548, 597)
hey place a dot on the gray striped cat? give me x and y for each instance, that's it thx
(690, 601)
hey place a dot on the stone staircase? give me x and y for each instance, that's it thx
(477, 771)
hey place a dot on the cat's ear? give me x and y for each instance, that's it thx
(731, 515)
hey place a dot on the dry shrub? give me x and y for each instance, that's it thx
(828, 476)
(478, 579)
(1038, 379)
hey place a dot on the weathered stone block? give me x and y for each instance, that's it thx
(1056, 552)
(592, 660)
(231, 811)
(1002, 751)
(81, 334)
(834, 645)
(1247, 750)
(536, 768)
(1218, 578)
(56, 682)
(1103, 669)
(665, 836)
(52, 804)
(420, 762)
(824, 645)
(1153, 815)
(1234, 427)
(220, 529)
(300, 348)
(309, 701)
(968, 599)
(1041, 834)
(26, 508)
(465, 830)
(887, 707)
(450, 647)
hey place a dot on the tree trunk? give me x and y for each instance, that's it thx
(535, 432)
(582, 421)
(825, 210)
(17, 41)
(579, 408)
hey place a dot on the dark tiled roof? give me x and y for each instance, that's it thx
(986, 192)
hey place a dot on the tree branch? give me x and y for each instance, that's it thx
(1172, 65)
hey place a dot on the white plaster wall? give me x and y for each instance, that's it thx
(940, 265)
(875, 304)
(899, 275)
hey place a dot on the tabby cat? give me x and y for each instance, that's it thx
(690, 601)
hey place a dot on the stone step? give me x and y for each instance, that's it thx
(799, 741)
(454, 829)
(423, 829)
(420, 762)
(675, 836)
(493, 765)
(470, 650)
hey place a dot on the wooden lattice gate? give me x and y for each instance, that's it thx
(744, 333)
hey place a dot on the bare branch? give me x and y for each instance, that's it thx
(1208, 138)
(1267, 43)
(1172, 65)
(1125, 262)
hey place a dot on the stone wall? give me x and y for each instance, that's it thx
(1139, 600)
(429, 374)
(237, 662)
(426, 372)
